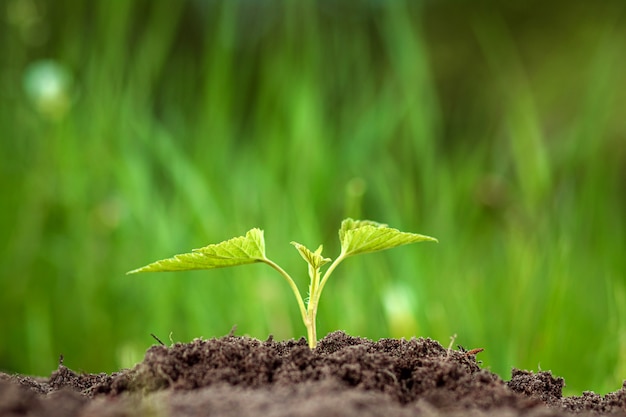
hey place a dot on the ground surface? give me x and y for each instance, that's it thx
(343, 376)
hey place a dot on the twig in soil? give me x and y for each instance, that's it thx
(452, 339)
(471, 351)
(157, 339)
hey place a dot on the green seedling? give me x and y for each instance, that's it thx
(356, 237)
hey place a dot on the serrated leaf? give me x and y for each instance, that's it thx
(314, 259)
(364, 236)
(236, 251)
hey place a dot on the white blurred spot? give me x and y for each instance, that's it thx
(129, 355)
(48, 85)
(399, 304)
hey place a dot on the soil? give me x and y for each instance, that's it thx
(342, 376)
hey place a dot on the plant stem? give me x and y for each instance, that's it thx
(311, 332)
(329, 271)
(309, 312)
(296, 292)
(316, 292)
(314, 275)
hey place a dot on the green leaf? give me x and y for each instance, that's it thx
(314, 259)
(363, 236)
(236, 251)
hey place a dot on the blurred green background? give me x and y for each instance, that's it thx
(134, 130)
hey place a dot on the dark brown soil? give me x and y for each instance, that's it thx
(343, 376)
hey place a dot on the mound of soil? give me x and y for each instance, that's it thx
(342, 376)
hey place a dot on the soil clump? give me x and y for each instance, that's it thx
(342, 376)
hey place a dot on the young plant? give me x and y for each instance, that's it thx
(356, 237)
